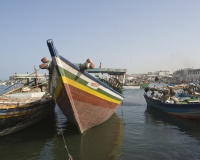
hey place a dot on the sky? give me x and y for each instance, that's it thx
(138, 35)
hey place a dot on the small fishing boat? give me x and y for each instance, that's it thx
(85, 100)
(131, 86)
(24, 106)
(144, 85)
(178, 104)
(3, 84)
(136, 86)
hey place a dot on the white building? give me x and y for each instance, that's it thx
(188, 73)
(31, 77)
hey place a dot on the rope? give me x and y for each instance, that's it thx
(122, 113)
(70, 157)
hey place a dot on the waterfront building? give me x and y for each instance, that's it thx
(188, 73)
(29, 77)
(162, 74)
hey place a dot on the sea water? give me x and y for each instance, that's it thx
(134, 132)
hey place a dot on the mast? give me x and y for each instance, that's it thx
(36, 77)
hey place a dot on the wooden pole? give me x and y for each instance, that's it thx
(36, 77)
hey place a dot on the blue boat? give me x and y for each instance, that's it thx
(187, 107)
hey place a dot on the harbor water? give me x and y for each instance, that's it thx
(134, 132)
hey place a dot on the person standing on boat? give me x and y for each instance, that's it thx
(157, 79)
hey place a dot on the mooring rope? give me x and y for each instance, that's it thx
(70, 157)
(122, 113)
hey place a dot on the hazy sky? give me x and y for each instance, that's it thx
(137, 35)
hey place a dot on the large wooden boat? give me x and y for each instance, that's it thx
(24, 106)
(109, 133)
(84, 100)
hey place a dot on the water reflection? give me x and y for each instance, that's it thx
(44, 140)
(31, 143)
(100, 142)
(103, 141)
(191, 127)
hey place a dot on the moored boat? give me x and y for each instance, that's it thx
(131, 86)
(84, 100)
(144, 85)
(24, 106)
(182, 105)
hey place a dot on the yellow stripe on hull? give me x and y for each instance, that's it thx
(82, 87)
(14, 106)
(8, 107)
(17, 114)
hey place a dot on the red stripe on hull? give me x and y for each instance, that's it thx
(88, 111)
(85, 97)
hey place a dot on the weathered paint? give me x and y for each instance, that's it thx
(89, 110)
(14, 117)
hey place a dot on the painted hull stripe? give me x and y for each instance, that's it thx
(87, 98)
(82, 87)
(58, 89)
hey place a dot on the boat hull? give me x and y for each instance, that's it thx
(14, 118)
(181, 110)
(83, 99)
